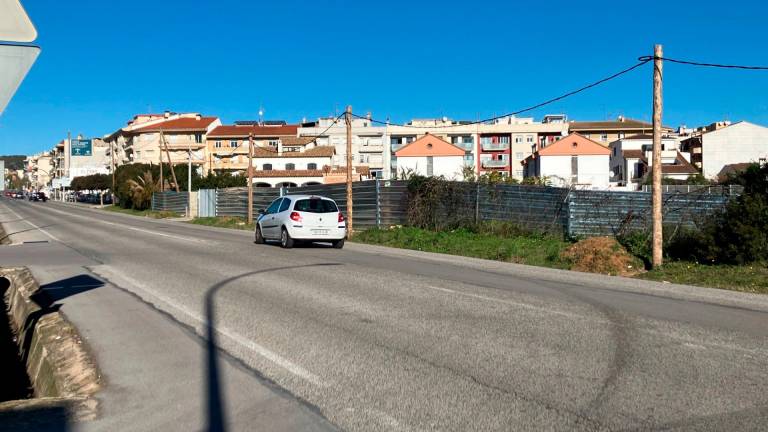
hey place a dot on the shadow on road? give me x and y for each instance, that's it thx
(216, 415)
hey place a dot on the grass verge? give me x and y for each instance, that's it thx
(551, 251)
(746, 278)
(533, 249)
(224, 222)
(146, 213)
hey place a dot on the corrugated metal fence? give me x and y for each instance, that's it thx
(572, 212)
(170, 201)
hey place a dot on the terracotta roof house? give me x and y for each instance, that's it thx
(571, 161)
(431, 156)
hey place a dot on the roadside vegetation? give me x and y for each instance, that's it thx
(145, 212)
(224, 222)
(729, 250)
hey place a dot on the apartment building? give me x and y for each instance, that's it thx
(146, 137)
(39, 169)
(722, 144)
(606, 132)
(368, 148)
(227, 145)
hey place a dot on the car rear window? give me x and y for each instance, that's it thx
(315, 205)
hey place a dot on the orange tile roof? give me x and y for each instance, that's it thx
(574, 145)
(287, 173)
(320, 151)
(179, 124)
(256, 130)
(430, 145)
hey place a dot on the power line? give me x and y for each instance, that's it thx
(693, 63)
(642, 61)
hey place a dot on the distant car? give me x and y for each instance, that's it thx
(38, 196)
(301, 218)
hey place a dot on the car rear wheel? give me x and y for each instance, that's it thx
(285, 239)
(338, 244)
(259, 239)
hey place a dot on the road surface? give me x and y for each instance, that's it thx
(379, 339)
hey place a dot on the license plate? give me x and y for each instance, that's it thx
(319, 231)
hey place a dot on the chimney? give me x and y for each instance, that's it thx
(368, 115)
(198, 116)
(621, 118)
(167, 114)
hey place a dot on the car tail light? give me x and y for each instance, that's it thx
(341, 217)
(295, 216)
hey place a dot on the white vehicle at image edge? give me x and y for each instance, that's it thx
(301, 218)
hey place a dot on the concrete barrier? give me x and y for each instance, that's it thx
(61, 371)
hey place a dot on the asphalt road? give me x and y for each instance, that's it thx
(390, 340)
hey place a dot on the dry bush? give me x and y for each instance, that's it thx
(602, 255)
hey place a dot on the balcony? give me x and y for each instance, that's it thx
(467, 146)
(491, 163)
(495, 146)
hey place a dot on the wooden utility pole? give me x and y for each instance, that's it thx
(112, 153)
(160, 153)
(250, 178)
(348, 118)
(170, 164)
(658, 54)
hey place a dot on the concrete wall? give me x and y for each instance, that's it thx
(740, 142)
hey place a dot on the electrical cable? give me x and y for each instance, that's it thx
(642, 61)
(692, 63)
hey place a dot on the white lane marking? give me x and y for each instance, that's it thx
(30, 223)
(507, 302)
(224, 331)
(146, 231)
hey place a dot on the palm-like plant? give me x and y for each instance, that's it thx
(142, 189)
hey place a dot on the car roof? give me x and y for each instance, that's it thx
(306, 197)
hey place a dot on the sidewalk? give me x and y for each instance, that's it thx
(156, 374)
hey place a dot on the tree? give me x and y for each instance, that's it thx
(142, 189)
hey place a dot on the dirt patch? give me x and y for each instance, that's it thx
(602, 255)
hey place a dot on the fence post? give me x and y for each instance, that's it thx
(477, 204)
(281, 190)
(378, 203)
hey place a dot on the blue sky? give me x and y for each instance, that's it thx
(104, 61)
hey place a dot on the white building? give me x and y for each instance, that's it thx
(431, 156)
(632, 157)
(719, 146)
(367, 142)
(572, 161)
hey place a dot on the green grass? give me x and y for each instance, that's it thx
(746, 278)
(223, 222)
(533, 249)
(146, 213)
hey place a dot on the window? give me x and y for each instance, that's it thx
(430, 166)
(518, 173)
(273, 142)
(198, 138)
(604, 137)
(217, 144)
(312, 166)
(233, 144)
(274, 206)
(519, 155)
(267, 167)
(290, 166)
(485, 140)
(518, 139)
(315, 205)
(504, 139)
(621, 135)
(285, 205)
(529, 139)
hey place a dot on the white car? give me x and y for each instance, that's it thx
(301, 218)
